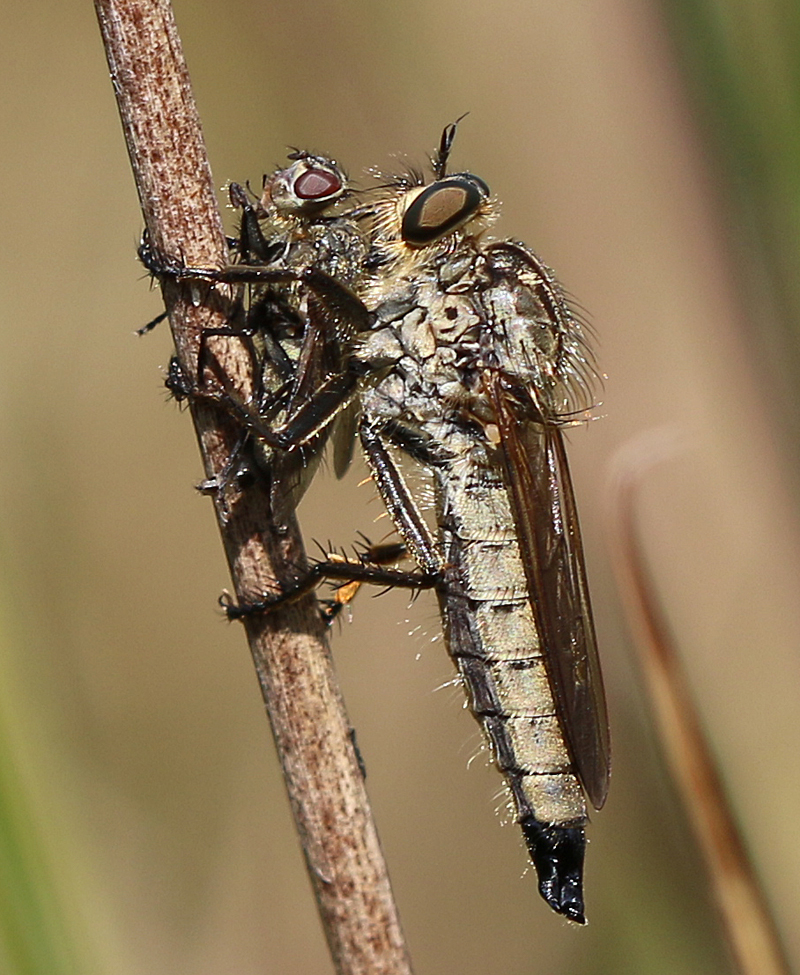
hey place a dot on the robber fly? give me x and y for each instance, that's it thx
(488, 365)
(464, 355)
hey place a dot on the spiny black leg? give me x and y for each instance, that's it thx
(342, 304)
(331, 569)
(557, 853)
(382, 554)
(182, 388)
(402, 508)
(155, 262)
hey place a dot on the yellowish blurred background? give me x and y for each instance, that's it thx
(143, 823)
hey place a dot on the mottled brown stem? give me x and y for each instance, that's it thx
(749, 926)
(292, 660)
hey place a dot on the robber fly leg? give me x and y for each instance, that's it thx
(385, 553)
(402, 508)
(152, 323)
(158, 264)
(331, 568)
(300, 427)
(341, 301)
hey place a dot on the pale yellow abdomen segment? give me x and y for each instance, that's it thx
(493, 638)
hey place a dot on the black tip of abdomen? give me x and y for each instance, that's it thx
(557, 853)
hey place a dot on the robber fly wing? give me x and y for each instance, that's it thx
(543, 504)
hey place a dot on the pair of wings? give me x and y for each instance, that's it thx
(546, 519)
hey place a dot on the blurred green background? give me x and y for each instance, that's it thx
(650, 154)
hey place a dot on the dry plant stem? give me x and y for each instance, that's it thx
(750, 929)
(292, 660)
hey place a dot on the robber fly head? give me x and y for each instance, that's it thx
(309, 184)
(417, 214)
(431, 212)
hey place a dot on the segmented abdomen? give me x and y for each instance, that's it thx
(493, 638)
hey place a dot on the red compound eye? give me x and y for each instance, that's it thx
(317, 184)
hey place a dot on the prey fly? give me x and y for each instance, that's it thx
(293, 334)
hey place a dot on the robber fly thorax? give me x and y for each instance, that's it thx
(488, 363)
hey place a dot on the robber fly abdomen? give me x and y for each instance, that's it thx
(494, 639)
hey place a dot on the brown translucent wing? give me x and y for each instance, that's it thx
(549, 535)
(345, 433)
(319, 358)
(322, 358)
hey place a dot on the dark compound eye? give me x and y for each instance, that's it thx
(317, 184)
(442, 207)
